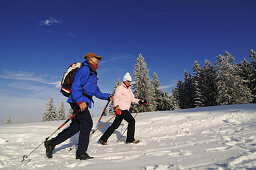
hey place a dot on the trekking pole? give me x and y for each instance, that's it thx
(127, 127)
(94, 131)
(26, 156)
(101, 117)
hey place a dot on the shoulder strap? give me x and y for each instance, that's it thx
(86, 95)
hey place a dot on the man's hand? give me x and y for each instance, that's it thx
(83, 106)
(111, 96)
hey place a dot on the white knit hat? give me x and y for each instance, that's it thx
(127, 77)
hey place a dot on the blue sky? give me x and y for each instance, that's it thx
(39, 39)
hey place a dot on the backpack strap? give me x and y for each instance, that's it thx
(90, 74)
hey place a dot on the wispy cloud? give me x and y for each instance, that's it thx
(70, 34)
(116, 62)
(168, 86)
(118, 58)
(49, 22)
(22, 75)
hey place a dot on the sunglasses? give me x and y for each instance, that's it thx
(96, 57)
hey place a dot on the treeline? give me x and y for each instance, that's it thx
(224, 83)
(52, 114)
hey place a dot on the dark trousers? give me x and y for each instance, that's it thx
(81, 122)
(126, 115)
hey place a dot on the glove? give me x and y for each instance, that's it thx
(144, 102)
(110, 97)
(118, 110)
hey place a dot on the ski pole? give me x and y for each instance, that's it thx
(26, 156)
(102, 125)
(101, 116)
(94, 131)
(127, 127)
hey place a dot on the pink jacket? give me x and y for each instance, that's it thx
(124, 97)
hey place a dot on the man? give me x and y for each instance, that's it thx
(122, 101)
(84, 87)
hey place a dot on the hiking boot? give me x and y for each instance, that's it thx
(84, 156)
(102, 142)
(135, 142)
(49, 148)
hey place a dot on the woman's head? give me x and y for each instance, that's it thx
(127, 79)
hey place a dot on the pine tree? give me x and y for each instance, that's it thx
(156, 92)
(70, 113)
(188, 91)
(180, 94)
(198, 85)
(111, 105)
(50, 111)
(161, 99)
(174, 103)
(165, 102)
(231, 89)
(252, 78)
(61, 112)
(9, 120)
(142, 88)
(209, 84)
(245, 71)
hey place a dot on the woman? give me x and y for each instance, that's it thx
(122, 102)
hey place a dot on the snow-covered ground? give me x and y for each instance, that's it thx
(222, 137)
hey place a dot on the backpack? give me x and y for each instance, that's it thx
(68, 78)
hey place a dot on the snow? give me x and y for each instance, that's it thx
(220, 137)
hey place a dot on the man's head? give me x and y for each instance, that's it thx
(92, 58)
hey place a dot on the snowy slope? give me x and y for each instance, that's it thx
(222, 137)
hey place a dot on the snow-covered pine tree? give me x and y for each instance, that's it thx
(165, 101)
(188, 91)
(50, 111)
(142, 88)
(209, 83)
(231, 89)
(9, 120)
(198, 85)
(253, 75)
(152, 102)
(180, 94)
(70, 113)
(155, 84)
(61, 112)
(111, 105)
(246, 73)
(161, 99)
(174, 100)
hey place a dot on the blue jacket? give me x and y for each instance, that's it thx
(85, 82)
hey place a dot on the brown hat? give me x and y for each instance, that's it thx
(89, 55)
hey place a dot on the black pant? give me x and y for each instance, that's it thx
(81, 122)
(126, 115)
